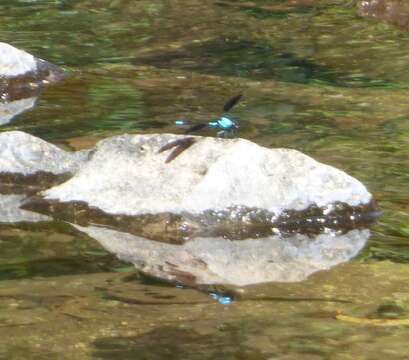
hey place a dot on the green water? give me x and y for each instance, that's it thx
(316, 78)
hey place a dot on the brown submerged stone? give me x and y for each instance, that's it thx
(395, 12)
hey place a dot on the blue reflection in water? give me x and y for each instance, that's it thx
(222, 299)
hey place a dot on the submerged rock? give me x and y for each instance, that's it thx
(395, 12)
(206, 261)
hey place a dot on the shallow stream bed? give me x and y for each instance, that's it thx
(316, 77)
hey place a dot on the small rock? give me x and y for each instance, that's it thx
(395, 12)
(21, 153)
(22, 74)
(15, 62)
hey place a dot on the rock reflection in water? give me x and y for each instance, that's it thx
(10, 211)
(221, 261)
(11, 109)
(214, 259)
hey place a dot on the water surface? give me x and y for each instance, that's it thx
(316, 78)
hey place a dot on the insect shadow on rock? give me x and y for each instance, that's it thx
(179, 146)
(224, 124)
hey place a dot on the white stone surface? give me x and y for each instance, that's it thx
(10, 211)
(126, 175)
(243, 262)
(15, 62)
(25, 154)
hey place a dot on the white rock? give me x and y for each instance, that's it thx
(15, 62)
(22, 153)
(18, 64)
(126, 175)
(221, 261)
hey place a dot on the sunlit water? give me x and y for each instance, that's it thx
(316, 78)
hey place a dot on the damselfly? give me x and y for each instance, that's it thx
(224, 124)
